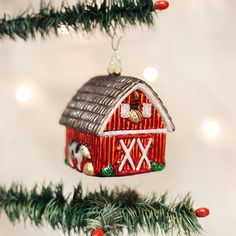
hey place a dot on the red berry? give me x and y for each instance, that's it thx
(98, 232)
(161, 5)
(202, 212)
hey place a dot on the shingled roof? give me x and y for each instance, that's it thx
(93, 102)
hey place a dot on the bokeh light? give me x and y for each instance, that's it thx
(211, 129)
(150, 74)
(23, 94)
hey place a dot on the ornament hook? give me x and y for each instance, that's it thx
(113, 35)
(115, 45)
(114, 65)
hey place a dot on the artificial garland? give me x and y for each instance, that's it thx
(83, 16)
(110, 211)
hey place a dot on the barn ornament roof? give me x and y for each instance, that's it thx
(95, 102)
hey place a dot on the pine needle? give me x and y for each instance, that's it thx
(85, 17)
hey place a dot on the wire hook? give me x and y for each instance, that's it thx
(115, 45)
(113, 35)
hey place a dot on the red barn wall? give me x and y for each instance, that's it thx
(107, 150)
(118, 123)
(110, 152)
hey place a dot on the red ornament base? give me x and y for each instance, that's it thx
(98, 232)
(202, 212)
(161, 5)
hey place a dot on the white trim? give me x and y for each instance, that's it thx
(153, 99)
(144, 153)
(142, 131)
(127, 156)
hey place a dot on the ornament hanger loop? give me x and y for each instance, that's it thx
(115, 40)
(115, 45)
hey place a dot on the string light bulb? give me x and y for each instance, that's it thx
(23, 94)
(211, 129)
(150, 74)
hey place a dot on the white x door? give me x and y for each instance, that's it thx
(129, 159)
(144, 151)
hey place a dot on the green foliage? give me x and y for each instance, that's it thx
(112, 210)
(108, 171)
(86, 17)
(157, 166)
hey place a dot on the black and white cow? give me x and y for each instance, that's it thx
(76, 153)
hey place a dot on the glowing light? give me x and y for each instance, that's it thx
(150, 74)
(211, 129)
(23, 94)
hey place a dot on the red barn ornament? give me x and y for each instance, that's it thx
(116, 126)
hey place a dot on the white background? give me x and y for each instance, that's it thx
(194, 49)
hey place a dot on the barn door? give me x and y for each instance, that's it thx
(135, 154)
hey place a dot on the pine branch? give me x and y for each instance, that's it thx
(112, 210)
(86, 17)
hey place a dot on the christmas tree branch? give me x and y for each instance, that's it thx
(112, 210)
(86, 17)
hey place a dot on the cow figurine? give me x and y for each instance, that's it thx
(77, 151)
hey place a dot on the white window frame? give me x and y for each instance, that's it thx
(147, 110)
(125, 110)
